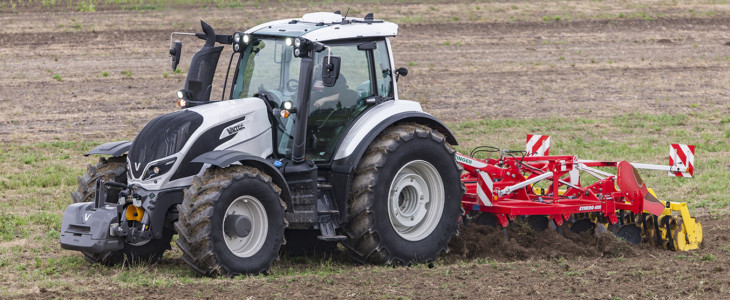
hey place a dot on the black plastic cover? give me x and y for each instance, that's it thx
(200, 76)
(161, 137)
(202, 67)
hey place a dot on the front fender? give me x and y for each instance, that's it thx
(115, 149)
(224, 158)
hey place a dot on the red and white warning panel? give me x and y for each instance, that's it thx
(537, 145)
(682, 157)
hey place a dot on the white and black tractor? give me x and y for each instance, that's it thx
(313, 148)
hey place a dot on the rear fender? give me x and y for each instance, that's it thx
(376, 120)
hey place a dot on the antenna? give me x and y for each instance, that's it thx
(347, 12)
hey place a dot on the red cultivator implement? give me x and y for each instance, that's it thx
(547, 190)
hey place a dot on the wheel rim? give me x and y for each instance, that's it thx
(416, 200)
(252, 208)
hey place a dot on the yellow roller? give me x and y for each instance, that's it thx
(678, 230)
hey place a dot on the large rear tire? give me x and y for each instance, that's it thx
(212, 246)
(115, 169)
(406, 198)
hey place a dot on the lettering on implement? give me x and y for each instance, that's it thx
(87, 216)
(464, 159)
(589, 207)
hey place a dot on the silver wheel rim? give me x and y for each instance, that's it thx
(252, 208)
(416, 200)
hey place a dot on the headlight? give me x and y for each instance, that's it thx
(236, 37)
(297, 42)
(247, 38)
(159, 168)
(288, 41)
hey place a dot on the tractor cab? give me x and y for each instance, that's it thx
(322, 71)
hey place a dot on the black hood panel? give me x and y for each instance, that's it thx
(163, 136)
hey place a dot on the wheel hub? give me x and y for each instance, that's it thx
(416, 200)
(245, 226)
(237, 226)
(410, 208)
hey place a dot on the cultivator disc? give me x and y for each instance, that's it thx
(500, 190)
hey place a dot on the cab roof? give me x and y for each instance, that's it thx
(326, 26)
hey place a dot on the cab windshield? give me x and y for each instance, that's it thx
(268, 67)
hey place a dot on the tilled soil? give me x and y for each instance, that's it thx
(545, 265)
(113, 77)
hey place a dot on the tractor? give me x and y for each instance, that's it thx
(312, 147)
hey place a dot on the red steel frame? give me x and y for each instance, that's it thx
(601, 196)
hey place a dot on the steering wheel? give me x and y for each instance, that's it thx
(292, 85)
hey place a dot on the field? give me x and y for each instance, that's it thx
(606, 79)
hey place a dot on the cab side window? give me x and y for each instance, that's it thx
(383, 70)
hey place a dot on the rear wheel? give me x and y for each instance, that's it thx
(115, 169)
(231, 222)
(406, 199)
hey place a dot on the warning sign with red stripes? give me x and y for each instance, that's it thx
(682, 156)
(538, 145)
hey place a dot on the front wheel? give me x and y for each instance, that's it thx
(231, 222)
(406, 199)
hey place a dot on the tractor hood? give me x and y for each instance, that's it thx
(163, 136)
(162, 152)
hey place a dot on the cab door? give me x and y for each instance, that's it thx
(364, 79)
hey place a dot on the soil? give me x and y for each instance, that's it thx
(114, 76)
(482, 264)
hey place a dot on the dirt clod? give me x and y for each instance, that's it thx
(481, 241)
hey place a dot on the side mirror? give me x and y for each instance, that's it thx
(175, 52)
(331, 70)
(400, 72)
